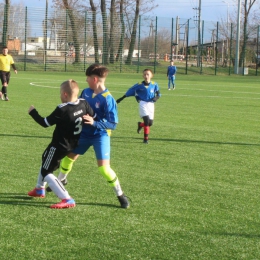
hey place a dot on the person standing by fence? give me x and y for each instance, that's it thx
(6, 61)
(171, 71)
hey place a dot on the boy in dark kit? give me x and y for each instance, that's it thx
(68, 118)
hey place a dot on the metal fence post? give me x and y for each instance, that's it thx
(216, 59)
(5, 25)
(139, 41)
(187, 45)
(85, 40)
(257, 51)
(155, 45)
(66, 43)
(45, 36)
(201, 46)
(25, 40)
(230, 47)
(172, 39)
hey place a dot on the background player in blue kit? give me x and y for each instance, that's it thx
(146, 93)
(68, 120)
(171, 71)
(97, 133)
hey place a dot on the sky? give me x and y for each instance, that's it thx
(211, 10)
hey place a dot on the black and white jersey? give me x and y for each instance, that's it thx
(68, 120)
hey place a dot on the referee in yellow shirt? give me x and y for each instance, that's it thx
(6, 61)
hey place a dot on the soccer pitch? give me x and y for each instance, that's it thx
(194, 188)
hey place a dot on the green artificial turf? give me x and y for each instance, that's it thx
(194, 188)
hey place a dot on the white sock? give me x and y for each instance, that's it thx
(62, 176)
(57, 187)
(117, 188)
(40, 183)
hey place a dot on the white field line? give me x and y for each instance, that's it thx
(43, 85)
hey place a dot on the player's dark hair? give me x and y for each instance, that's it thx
(97, 70)
(4, 47)
(147, 70)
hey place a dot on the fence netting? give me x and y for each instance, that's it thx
(68, 40)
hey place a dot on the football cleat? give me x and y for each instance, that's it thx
(124, 201)
(169, 89)
(6, 99)
(66, 203)
(64, 182)
(37, 192)
(139, 128)
(145, 142)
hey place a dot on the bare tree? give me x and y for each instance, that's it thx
(94, 29)
(122, 34)
(112, 31)
(133, 35)
(105, 31)
(247, 6)
(70, 7)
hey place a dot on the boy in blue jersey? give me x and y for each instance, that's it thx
(171, 71)
(146, 93)
(96, 132)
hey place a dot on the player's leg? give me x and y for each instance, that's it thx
(146, 128)
(5, 81)
(173, 82)
(169, 83)
(66, 166)
(68, 161)
(146, 111)
(102, 150)
(50, 162)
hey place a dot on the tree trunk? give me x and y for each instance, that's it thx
(74, 30)
(133, 35)
(122, 36)
(105, 32)
(112, 32)
(247, 8)
(94, 28)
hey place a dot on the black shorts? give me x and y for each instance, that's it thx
(51, 159)
(5, 76)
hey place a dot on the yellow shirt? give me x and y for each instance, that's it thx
(5, 62)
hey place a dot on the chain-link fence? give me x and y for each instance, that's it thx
(68, 40)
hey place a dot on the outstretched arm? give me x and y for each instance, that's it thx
(37, 118)
(120, 99)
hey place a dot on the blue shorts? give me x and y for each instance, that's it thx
(101, 145)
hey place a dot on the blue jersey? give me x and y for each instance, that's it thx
(105, 107)
(171, 71)
(143, 91)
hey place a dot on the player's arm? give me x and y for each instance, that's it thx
(13, 65)
(130, 92)
(157, 94)
(120, 99)
(89, 109)
(47, 121)
(99, 124)
(37, 118)
(14, 68)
